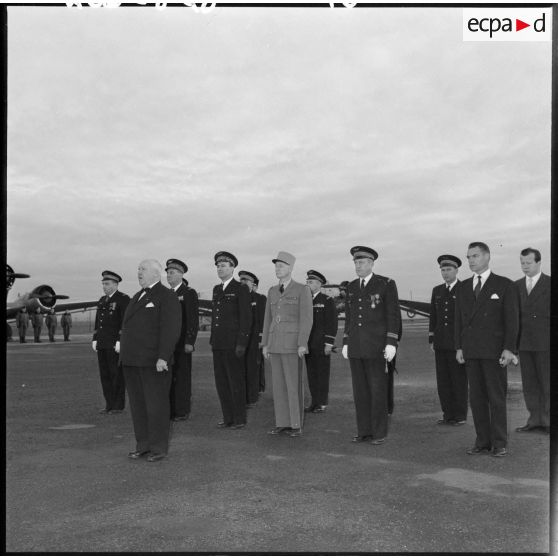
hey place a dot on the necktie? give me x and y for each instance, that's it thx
(281, 288)
(529, 285)
(478, 286)
(362, 284)
(447, 287)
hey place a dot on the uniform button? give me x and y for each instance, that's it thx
(359, 325)
(360, 307)
(360, 316)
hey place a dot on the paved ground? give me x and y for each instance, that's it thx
(70, 487)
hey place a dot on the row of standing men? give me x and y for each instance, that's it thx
(50, 321)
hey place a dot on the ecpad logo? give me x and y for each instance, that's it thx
(507, 24)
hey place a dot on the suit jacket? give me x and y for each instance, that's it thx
(188, 299)
(150, 328)
(484, 327)
(372, 317)
(324, 324)
(287, 318)
(442, 317)
(534, 333)
(108, 319)
(231, 317)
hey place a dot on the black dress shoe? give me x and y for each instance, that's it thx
(278, 430)
(224, 424)
(445, 421)
(526, 428)
(115, 411)
(458, 422)
(360, 439)
(475, 450)
(319, 409)
(137, 454)
(238, 426)
(180, 419)
(499, 452)
(295, 432)
(378, 441)
(156, 457)
(103, 411)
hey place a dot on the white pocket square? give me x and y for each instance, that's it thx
(150, 305)
(494, 297)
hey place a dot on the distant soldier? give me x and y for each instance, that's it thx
(372, 322)
(451, 377)
(253, 352)
(534, 340)
(106, 342)
(66, 323)
(231, 322)
(51, 321)
(320, 343)
(181, 386)
(22, 321)
(260, 310)
(37, 321)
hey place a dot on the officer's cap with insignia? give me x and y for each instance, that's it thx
(225, 257)
(249, 275)
(363, 252)
(448, 259)
(313, 274)
(285, 257)
(173, 263)
(110, 275)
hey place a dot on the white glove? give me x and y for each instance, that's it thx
(117, 347)
(94, 345)
(389, 352)
(345, 351)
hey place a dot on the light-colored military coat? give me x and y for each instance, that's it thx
(288, 318)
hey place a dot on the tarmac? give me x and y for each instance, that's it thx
(70, 487)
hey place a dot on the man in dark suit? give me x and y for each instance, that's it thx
(231, 321)
(150, 330)
(253, 352)
(181, 387)
(372, 323)
(320, 343)
(534, 340)
(261, 301)
(106, 342)
(451, 377)
(486, 330)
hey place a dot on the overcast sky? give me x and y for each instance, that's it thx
(140, 133)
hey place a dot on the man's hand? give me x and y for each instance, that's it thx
(506, 357)
(117, 347)
(188, 348)
(301, 352)
(327, 349)
(389, 352)
(432, 347)
(94, 345)
(239, 351)
(265, 352)
(161, 365)
(459, 356)
(345, 351)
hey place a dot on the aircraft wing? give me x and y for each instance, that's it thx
(413, 307)
(13, 308)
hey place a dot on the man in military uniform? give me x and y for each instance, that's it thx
(260, 310)
(287, 326)
(66, 323)
(320, 343)
(181, 386)
(451, 377)
(22, 321)
(253, 352)
(372, 319)
(231, 321)
(51, 321)
(106, 342)
(37, 321)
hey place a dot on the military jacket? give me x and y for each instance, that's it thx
(442, 317)
(372, 317)
(231, 316)
(50, 320)
(188, 299)
(22, 319)
(37, 319)
(324, 324)
(108, 319)
(66, 320)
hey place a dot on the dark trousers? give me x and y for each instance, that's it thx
(391, 382)
(261, 368)
(317, 369)
(535, 377)
(22, 331)
(51, 332)
(230, 382)
(451, 378)
(37, 333)
(66, 330)
(488, 385)
(370, 386)
(148, 393)
(112, 379)
(252, 365)
(181, 387)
